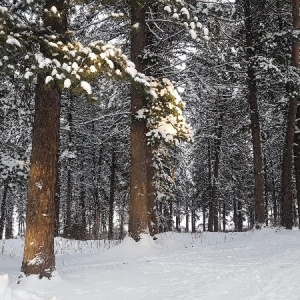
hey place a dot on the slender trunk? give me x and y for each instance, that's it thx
(9, 232)
(217, 149)
(193, 216)
(235, 215)
(210, 226)
(297, 160)
(187, 220)
(3, 209)
(151, 190)
(112, 195)
(287, 197)
(239, 216)
(274, 198)
(170, 216)
(204, 217)
(82, 209)
(138, 205)
(224, 216)
(266, 193)
(68, 225)
(259, 198)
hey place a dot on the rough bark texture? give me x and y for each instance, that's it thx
(138, 206)
(38, 255)
(287, 159)
(40, 219)
(259, 198)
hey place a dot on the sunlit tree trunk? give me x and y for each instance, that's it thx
(38, 255)
(39, 238)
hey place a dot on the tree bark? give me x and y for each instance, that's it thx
(151, 191)
(40, 219)
(287, 197)
(38, 255)
(3, 209)
(297, 160)
(138, 205)
(112, 195)
(259, 198)
(217, 150)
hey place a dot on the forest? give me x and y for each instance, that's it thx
(133, 117)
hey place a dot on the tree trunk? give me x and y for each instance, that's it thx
(287, 198)
(217, 149)
(38, 255)
(210, 226)
(39, 238)
(3, 209)
(235, 215)
(259, 198)
(266, 193)
(224, 216)
(68, 224)
(151, 191)
(138, 205)
(239, 216)
(112, 195)
(297, 160)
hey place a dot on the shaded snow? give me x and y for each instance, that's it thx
(260, 265)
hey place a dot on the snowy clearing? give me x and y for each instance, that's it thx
(253, 265)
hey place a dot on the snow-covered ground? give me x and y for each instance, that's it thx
(253, 265)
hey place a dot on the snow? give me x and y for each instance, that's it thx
(86, 86)
(12, 41)
(259, 265)
(67, 83)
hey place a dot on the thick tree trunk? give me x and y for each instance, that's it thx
(39, 238)
(287, 197)
(38, 255)
(259, 198)
(138, 205)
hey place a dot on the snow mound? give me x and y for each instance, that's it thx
(7, 293)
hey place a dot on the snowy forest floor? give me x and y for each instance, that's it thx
(253, 265)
